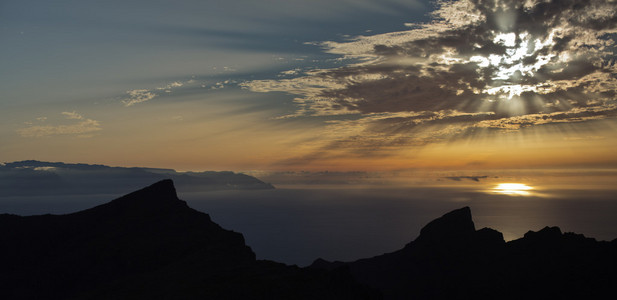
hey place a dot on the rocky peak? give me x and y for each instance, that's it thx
(157, 198)
(162, 190)
(544, 233)
(452, 226)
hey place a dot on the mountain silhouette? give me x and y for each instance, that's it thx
(452, 260)
(148, 245)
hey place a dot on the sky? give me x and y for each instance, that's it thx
(316, 85)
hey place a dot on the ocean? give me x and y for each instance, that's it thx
(298, 224)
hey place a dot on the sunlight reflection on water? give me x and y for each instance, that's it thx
(515, 189)
(299, 225)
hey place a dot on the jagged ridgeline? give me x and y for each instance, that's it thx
(452, 260)
(33, 177)
(151, 245)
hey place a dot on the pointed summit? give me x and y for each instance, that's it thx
(452, 226)
(163, 190)
(156, 198)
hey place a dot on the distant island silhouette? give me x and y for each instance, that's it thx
(150, 245)
(36, 178)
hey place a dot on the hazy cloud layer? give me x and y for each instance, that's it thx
(494, 64)
(74, 124)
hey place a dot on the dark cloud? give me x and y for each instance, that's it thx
(503, 64)
(472, 178)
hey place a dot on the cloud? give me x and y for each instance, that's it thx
(73, 115)
(461, 178)
(222, 84)
(138, 96)
(292, 72)
(142, 95)
(494, 64)
(81, 127)
(171, 85)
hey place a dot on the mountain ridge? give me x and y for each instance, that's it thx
(148, 244)
(452, 260)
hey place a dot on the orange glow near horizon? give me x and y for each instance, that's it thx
(206, 141)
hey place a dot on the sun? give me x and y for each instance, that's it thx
(523, 57)
(517, 189)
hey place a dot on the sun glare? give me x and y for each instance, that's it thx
(511, 65)
(517, 189)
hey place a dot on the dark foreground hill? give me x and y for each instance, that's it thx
(452, 260)
(148, 245)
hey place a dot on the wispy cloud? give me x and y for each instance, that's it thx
(142, 95)
(138, 96)
(171, 85)
(499, 64)
(79, 127)
(72, 115)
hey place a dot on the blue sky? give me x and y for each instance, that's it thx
(57, 51)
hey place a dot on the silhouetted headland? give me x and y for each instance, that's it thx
(150, 245)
